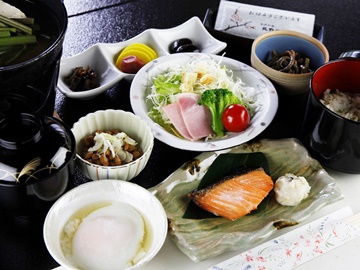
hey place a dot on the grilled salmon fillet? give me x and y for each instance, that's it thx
(234, 196)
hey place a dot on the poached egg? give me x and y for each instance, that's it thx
(110, 237)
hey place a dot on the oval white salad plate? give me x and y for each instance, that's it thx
(261, 88)
(101, 57)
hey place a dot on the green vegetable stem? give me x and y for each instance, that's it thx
(14, 23)
(17, 40)
(14, 35)
(4, 33)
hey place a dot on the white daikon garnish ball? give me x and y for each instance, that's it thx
(110, 237)
(290, 189)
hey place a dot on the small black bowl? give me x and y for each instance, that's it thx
(28, 84)
(331, 138)
(36, 163)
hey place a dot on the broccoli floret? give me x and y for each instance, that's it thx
(217, 100)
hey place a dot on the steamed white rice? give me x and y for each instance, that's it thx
(345, 104)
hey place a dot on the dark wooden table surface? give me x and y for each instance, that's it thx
(21, 242)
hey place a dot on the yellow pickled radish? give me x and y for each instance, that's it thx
(142, 47)
(143, 56)
(139, 50)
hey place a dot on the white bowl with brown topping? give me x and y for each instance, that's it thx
(112, 144)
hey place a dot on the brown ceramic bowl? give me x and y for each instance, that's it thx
(285, 40)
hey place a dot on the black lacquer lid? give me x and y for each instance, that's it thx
(32, 147)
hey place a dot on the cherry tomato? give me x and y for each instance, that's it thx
(235, 118)
(131, 64)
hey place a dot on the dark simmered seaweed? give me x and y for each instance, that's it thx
(289, 62)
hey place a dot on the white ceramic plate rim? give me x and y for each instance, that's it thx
(103, 55)
(267, 99)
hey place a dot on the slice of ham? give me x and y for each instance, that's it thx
(192, 121)
(173, 112)
(196, 118)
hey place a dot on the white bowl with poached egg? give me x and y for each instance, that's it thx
(106, 224)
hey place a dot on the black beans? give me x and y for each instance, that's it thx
(183, 45)
(187, 48)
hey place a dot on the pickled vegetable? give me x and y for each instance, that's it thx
(131, 64)
(140, 51)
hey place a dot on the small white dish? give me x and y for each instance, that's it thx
(99, 193)
(266, 100)
(101, 57)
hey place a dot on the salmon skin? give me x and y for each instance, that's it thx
(236, 195)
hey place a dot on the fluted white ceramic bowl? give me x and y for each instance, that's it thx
(131, 124)
(95, 192)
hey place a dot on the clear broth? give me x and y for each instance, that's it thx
(48, 34)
